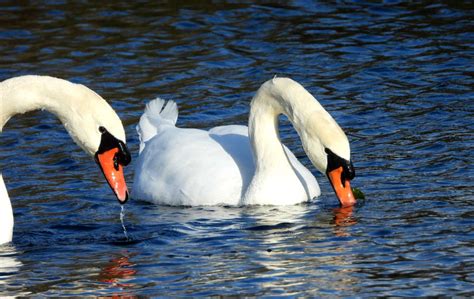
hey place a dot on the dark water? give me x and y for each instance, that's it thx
(397, 77)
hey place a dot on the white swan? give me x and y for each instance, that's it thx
(90, 121)
(236, 165)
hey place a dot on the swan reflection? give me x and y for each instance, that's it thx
(10, 267)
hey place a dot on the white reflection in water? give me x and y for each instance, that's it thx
(265, 246)
(9, 270)
(298, 243)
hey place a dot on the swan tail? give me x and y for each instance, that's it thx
(158, 113)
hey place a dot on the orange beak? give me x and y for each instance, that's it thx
(343, 191)
(113, 173)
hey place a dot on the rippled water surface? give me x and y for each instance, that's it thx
(397, 77)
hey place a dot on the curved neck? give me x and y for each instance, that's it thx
(264, 134)
(81, 110)
(23, 94)
(275, 97)
(316, 128)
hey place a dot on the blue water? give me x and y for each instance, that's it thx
(397, 77)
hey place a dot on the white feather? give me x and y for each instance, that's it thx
(158, 114)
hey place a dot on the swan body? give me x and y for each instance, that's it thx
(90, 121)
(6, 214)
(236, 165)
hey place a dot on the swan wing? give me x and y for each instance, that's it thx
(158, 114)
(190, 167)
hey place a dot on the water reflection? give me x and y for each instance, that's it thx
(119, 268)
(343, 217)
(10, 267)
(295, 239)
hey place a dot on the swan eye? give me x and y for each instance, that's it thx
(123, 155)
(102, 130)
(349, 171)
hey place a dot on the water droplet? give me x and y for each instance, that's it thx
(122, 215)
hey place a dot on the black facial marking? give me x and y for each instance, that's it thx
(108, 142)
(334, 162)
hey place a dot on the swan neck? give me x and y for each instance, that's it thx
(314, 125)
(263, 132)
(24, 94)
(269, 102)
(81, 110)
(281, 96)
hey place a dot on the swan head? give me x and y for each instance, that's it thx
(111, 156)
(328, 148)
(98, 130)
